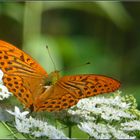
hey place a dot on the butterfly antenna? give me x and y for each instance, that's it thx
(68, 68)
(51, 57)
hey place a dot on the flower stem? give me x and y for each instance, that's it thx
(69, 131)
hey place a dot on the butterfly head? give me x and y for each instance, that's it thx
(52, 78)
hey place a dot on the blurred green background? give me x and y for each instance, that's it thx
(106, 34)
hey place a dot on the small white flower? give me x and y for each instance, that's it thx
(80, 115)
(86, 128)
(22, 125)
(17, 113)
(4, 93)
(131, 126)
(110, 113)
(98, 131)
(1, 76)
(119, 134)
(53, 133)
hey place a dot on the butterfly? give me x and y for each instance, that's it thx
(40, 91)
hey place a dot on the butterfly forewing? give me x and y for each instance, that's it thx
(70, 89)
(23, 76)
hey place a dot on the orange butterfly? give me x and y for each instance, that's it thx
(37, 90)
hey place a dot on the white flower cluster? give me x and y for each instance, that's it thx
(109, 109)
(35, 127)
(106, 117)
(103, 131)
(4, 93)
